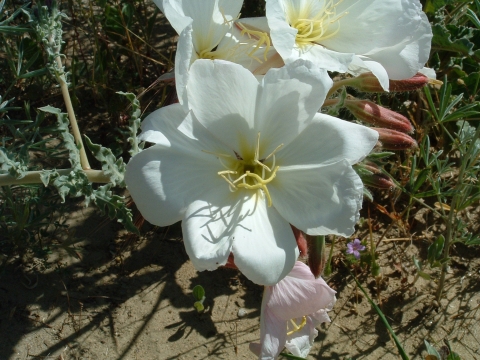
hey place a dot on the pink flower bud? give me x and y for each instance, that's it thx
(395, 140)
(369, 83)
(370, 166)
(374, 114)
(378, 181)
(301, 240)
(374, 177)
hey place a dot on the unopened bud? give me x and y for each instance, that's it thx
(301, 241)
(371, 113)
(372, 175)
(395, 140)
(378, 181)
(370, 166)
(369, 83)
(316, 254)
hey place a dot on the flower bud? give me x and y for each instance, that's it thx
(369, 83)
(371, 113)
(378, 181)
(301, 241)
(370, 166)
(395, 140)
(316, 254)
(372, 175)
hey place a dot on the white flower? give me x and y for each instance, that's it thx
(247, 159)
(390, 38)
(208, 30)
(291, 310)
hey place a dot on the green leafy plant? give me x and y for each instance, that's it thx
(199, 296)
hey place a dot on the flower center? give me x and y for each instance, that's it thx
(321, 26)
(251, 174)
(296, 327)
(259, 39)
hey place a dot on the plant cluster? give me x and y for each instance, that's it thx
(272, 130)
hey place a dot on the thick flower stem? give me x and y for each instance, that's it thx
(71, 115)
(330, 102)
(33, 177)
(337, 85)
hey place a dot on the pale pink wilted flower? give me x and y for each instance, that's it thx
(354, 247)
(291, 310)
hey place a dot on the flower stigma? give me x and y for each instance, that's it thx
(317, 28)
(251, 174)
(297, 327)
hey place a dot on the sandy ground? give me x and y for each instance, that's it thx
(130, 298)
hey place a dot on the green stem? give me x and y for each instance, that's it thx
(453, 209)
(328, 266)
(33, 177)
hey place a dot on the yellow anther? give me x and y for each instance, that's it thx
(297, 327)
(262, 37)
(314, 30)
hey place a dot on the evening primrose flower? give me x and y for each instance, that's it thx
(208, 30)
(290, 312)
(246, 159)
(390, 38)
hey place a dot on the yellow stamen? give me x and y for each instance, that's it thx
(297, 327)
(262, 37)
(260, 183)
(316, 29)
(250, 173)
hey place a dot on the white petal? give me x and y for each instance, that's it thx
(322, 57)
(161, 188)
(255, 23)
(428, 72)
(328, 140)
(366, 25)
(406, 58)
(273, 334)
(164, 120)
(264, 248)
(211, 19)
(164, 179)
(394, 33)
(209, 226)
(283, 36)
(361, 64)
(288, 100)
(319, 201)
(175, 14)
(223, 96)
(184, 57)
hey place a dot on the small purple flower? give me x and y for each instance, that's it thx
(354, 247)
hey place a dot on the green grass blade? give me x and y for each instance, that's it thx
(289, 356)
(402, 352)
